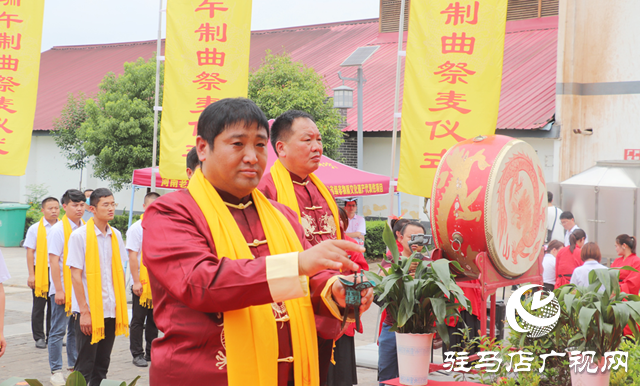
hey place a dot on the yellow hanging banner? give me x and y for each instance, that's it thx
(452, 83)
(206, 59)
(20, 40)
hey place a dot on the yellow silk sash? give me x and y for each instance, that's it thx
(145, 296)
(66, 271)
(94, 285)
(251, 333)
(287, 195)
(42, 257)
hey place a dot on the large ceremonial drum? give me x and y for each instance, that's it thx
(489, 195)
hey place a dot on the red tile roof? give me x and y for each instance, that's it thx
(528, 87)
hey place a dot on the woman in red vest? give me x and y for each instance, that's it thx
(626, 250)
(629, 280)
(568, 258)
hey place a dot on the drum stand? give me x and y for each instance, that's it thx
(490, 280)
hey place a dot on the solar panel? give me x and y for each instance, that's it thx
(359, 56)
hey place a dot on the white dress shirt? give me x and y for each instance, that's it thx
(580, 276)
(553, 216)
(31, 240)
(55, 245)
(549, 269)
(76, 259)
(357, 224)
(4, 272)
(567, 234)
(134, 241)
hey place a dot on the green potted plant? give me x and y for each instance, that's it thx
(419, 301)
(598, 315)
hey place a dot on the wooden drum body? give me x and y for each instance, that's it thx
(489, 195)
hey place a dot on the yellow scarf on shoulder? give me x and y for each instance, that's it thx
(94, 285)
(42, 258)
(66, 271)
(145, 296)
(287, 195)
(251, 333)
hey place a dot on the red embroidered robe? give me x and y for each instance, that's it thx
(192, 287)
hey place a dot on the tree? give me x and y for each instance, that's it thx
(118, 131)
(65, 133)
(281, 84)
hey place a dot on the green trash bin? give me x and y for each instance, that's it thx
(12, 218)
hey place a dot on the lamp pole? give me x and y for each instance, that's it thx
(360, 140)
(361, 81)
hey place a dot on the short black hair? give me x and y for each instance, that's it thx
(150, 195)
(281, 127)
(549, 196)
(98, 194)
(566, 216)
(73, 195)
(47, 200)
(87, 190)
(192, 159)
(228, 111)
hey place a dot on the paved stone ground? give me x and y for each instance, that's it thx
(23, 359)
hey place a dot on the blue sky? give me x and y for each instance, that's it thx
(77, 22)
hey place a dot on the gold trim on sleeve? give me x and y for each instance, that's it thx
(327, 298)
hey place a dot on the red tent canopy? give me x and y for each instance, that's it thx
(340, 179)
(343, 180)
(142, 177)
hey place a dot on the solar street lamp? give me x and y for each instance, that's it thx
(357, 58)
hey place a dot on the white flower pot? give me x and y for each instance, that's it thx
(414, 358)
(591, 379)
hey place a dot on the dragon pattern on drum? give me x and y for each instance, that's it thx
(490, 196)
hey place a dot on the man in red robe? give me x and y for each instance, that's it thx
(194, 288)
(298, 144)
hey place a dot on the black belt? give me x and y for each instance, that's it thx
(565, 275)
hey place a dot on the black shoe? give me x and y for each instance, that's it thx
(40, 343)
(147, 357)
(140, 361)
(64, 344)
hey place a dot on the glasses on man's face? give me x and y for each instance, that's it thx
(350, 205)
(109, 205)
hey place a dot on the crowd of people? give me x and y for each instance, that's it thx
(570, 256)
(241, 279)
(238, 272)
(76, 274)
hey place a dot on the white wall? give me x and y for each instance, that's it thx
(597, 43)
(545, 150)
(377, 159)
(47, 166)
